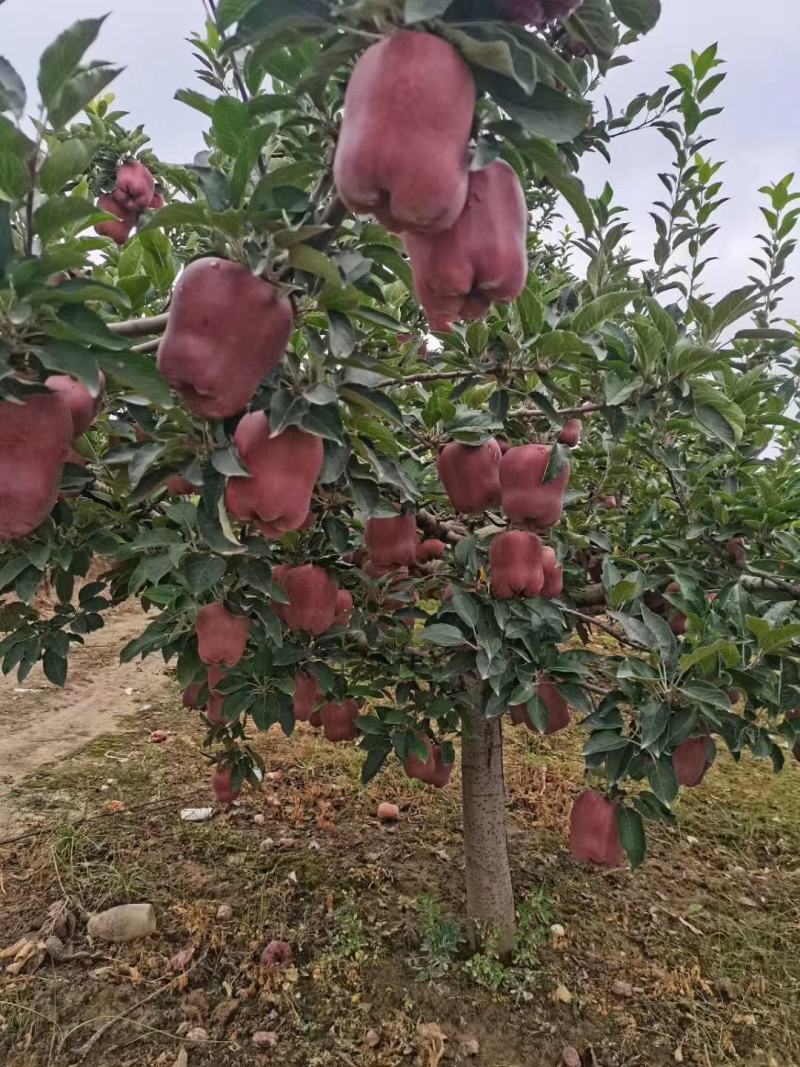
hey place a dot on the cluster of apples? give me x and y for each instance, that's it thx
(538, 12)
(134, 192)
(36, 441)
(404, 156)
(477, 477)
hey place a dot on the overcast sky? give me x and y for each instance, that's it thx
(758, 135)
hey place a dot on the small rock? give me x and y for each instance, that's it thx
(563, 995)
(266, 844)
(182, 1060)
(388, 812)
(224, 912)
(372, 1038)
(126, 922)
(470, 1046)
(622, 989)
(570, 1057)
(225, 1011)
(726, 987)
(196, 814)
(265, 1039)
(275, 776)
(197, 1035)
(259, 819)
(287, 842)
(314, 846)
(557, 930)
(158, 737)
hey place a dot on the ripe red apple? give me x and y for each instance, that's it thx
(570, 433)
(470, 475)
(277, 956)
(556, 705)
(227, 329)
(283, 472)
(515, 564)
(391, 542)
(222, 784)
(191, 695)
(403, 145)
(430, 549)
(692, 759)
(312, 597)
(432, 770)
(553, 573)
(135, 186)
(118, 231)
(526, 496)
(83, 406)
(339, 721)
(216, 699)
(306, 696)
(177, 485)
(611, 502)
(481, 259)
(221, 636)
(736, 551)
(156, 203)
(35, 441)
(594, 831)
(344, 607)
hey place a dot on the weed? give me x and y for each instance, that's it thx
(349, 939)
(523, 977)
(441, 942)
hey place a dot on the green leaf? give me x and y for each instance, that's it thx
(248, 152)
(707, 694)
(66, 161)
(490, 48)
(304, 257)
(231, 122)
(546, 112)
(65, 358)
(617, 391)
(376, 757)
(589, 316)
(549, 161)
(420, 10)
(202, 572)
(593, 24)
(604, 741)
(139, 372)
(639, 15)
(635, 629)
(266, 18)
(198, 101)
(12, 89)
(662, 780)
(79, 91)
(61, 211)
(664, 637)
(82, 291)
(230, 11)
(465, 607)
(440, 633)
(632, 836)
(373, 400)
(60, 60)
(704, 652)
(718, 416)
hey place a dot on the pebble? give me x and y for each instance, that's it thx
(563, 995)
(197, 1035)
(196, 814)
(372, 1038)
(126, 922)
(314, 846)
(224, 912)
(470, 1047)
(287, 842)
(622, 989)
(265, 1039)
(266, 844)
(570, 1057)
(275, 776)
(557, 930)
(259, 819)
(388, 812)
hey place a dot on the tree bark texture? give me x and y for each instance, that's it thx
(490, 896)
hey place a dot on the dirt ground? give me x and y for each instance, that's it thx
(694, 959)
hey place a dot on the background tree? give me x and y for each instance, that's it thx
(680, 520)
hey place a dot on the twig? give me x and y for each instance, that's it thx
(87, 1047)
(762, 580)
(140, 327)
(147, 346)
(592, 620)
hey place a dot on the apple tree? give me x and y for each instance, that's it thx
(378, 440)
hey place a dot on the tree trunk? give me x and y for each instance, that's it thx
(490, 897)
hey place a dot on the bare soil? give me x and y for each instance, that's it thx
(694, 959)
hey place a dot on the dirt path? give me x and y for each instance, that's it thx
(40, 723)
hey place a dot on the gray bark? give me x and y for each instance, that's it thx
(490, 896)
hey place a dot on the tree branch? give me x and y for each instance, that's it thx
(140, 327)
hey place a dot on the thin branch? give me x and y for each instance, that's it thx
(759, 580)
(148, 346)
(592, 620)
(140, 327)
